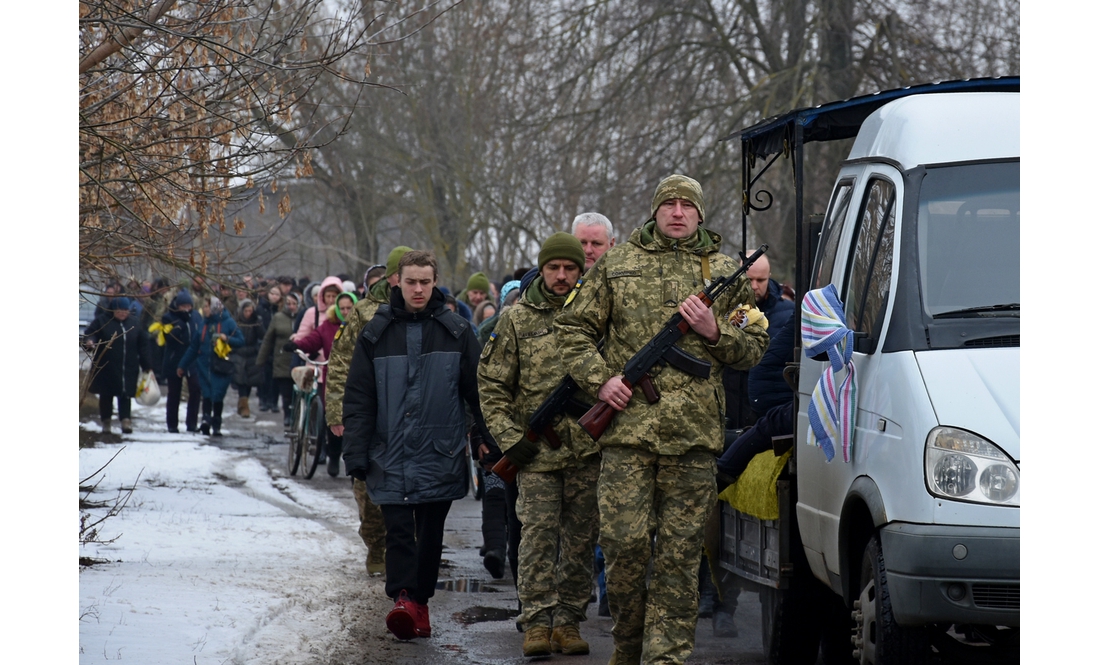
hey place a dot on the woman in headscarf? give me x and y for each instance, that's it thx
(247, 375)
(214, 376)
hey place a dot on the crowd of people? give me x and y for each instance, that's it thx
(417, 375)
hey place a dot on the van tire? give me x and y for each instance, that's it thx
(879, 639)
(790, 633)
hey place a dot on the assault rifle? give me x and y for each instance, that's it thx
(562, 399)
(660, 349)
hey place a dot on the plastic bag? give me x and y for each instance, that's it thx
(148, 391)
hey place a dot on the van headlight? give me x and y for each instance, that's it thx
(963, 466)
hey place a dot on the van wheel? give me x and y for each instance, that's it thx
(878, 639)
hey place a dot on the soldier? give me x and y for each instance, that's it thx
(657, 471)
(520, 366)
(372, 529)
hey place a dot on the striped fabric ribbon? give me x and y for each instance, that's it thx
(832, 409)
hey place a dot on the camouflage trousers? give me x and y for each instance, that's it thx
(372, 528)
(557, 546)
(642, 495)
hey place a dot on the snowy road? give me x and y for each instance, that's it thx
(220, 557)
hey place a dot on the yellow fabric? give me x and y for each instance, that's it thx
(222, 348)
(754, 315)
(754, 492)
(161, 329)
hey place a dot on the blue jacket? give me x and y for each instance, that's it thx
(767, 387)
(405, 424)
(214, 386)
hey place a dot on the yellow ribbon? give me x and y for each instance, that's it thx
(161, 329)
(222, 348)
(753, 316)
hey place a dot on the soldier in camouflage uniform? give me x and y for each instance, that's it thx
(372, 529)
(520, 366)
(657, 472)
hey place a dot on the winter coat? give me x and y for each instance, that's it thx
(276, 337)
(315, 315)
(627, 297)
(201, 350)
(520, 366)
(321, 338)
(248, 373)
(121, 353)
(767, 387)
(405, 426)
(775, 308)
(185, 325)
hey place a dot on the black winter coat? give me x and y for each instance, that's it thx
(405, 425)
(767, 387)
(121, 353)
(248, 373)
(176, 341)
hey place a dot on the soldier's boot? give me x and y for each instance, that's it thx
(536, 642)
(242, 408)
(621, 657)
(567, 640)
(376, 558)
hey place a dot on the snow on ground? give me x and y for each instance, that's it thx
(214, 560)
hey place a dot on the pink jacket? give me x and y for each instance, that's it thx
(314, 313)
(320, 339)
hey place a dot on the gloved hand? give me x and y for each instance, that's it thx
(290, 347)
(522, 452)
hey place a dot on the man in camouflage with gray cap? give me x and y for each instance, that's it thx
(658, 460)
(520, 366)
(372, 529)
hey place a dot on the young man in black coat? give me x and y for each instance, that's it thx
(412, 377)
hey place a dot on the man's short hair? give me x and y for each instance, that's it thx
(419, 257)
(593, 219)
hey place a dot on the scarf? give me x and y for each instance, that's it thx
(832, 410)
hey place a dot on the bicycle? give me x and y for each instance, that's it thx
(307, 421)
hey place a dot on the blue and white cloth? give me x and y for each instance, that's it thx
(832, 410)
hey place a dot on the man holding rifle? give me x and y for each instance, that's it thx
(520, 368)
(658, 458)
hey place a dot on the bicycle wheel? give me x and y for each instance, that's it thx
(294, 450)
(314, 436)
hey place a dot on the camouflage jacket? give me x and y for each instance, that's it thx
(344, 346)
(627, 297)
(520, 366)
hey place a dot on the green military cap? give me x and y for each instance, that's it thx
(679, 187)
(561, 245)
(478, 282)
(395, 256)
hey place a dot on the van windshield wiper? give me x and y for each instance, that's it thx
(978, 311)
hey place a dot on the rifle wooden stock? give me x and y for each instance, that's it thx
(505, 470)
(597, 419)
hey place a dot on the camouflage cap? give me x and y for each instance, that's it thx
(679, 187)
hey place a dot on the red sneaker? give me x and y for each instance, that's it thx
(402, 619)
(423, 625)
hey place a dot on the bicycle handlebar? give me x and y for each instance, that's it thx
(303, 356)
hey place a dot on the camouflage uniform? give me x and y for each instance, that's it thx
(520, 366)
(657, 472)
(372, 529)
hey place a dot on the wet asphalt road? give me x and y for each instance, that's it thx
(473, 618)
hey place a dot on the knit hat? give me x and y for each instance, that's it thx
(678, 187)
(216, 306)
(395, 256)
(245, 303)
(117, 303)
(508, 287)
(478, 281)
(561, 245)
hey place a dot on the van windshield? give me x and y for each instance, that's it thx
(968, 235)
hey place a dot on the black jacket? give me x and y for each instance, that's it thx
(767, 387)
(120, 353)
(405, 425)
(244, 357)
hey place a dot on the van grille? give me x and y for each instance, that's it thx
(999, 342)
(997, 596)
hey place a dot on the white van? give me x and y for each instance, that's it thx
(918, 533)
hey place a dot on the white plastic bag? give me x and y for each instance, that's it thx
(148, 392)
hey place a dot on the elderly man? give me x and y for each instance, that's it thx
(596, 235)
(658, 460)
(520, 366)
